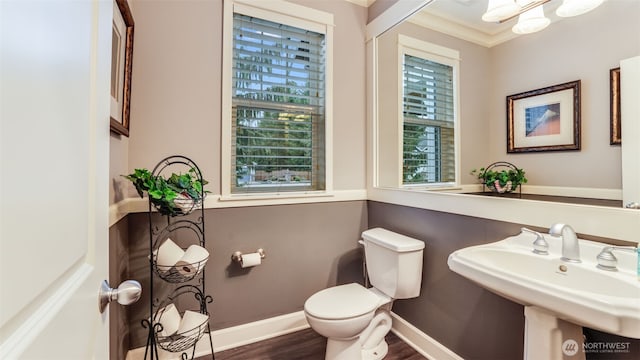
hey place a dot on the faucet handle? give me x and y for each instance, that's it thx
(608, 261)
(540, 245)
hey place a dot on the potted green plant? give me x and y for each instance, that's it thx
(501, 181)
(177, 195)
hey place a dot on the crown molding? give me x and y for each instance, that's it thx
(363, 3)
(460, 31)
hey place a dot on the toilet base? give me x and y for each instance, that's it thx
(377, 352)
(352, 350)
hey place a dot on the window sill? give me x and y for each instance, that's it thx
(442, 187)
(302, 197)
(275, 196)
(214, 201)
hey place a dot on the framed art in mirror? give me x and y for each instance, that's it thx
(614, 98)
(546, 119)
(121, 65)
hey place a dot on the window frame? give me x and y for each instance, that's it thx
(276, 11)
(446, 56)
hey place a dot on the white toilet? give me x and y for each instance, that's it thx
(355, 319)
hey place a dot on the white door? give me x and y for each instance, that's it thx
(54, 140)
(630, 113)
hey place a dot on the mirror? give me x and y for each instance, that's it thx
(494, 63)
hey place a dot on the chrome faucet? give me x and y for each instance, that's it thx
(570, 247)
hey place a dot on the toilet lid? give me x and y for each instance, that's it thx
(341, 302)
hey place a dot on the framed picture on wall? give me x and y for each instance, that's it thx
(614, 98)
(121, 65)
(546, 119)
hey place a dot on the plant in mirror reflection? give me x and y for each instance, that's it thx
(501, 181)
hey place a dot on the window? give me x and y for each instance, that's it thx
(279, 106)
(429, 118)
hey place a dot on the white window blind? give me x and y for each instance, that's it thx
(278, 107)
(428, 122)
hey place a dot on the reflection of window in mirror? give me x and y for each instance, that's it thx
(429, 112)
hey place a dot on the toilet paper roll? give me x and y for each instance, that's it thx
(168, 255)
(249, 260)
(191, 320)
(170, 319)
(193, 260)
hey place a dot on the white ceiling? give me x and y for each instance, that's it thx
(462, 19)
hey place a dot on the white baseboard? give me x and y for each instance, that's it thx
(249, 333)
(421, 342)
(258, 330)
(240, 335)
(202, 349)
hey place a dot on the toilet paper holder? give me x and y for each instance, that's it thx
(237, 256)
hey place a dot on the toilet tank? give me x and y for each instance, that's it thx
(394, 262)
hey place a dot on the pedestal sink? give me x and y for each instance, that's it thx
(559, 297)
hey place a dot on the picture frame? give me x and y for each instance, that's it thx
(121, 66)
(615, 126)
(546, 119)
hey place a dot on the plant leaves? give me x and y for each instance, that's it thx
(156, 194)
(162, 192)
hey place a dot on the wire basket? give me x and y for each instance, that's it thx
(499, 186)
(181, 272)
(183, 340)
(187, 204)
(190, 195)
(171, 265)
(182, 205)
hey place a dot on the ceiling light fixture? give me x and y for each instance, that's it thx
(500, 9)
(577, 7)
(531, 21)
(531, 14)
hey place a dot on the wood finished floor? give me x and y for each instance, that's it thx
(305, 345)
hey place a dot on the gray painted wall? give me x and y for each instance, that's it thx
(474, 323)
(314, 246)
(469, 320)
(309, 247)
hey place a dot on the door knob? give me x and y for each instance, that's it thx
(633, 205)
(127, 293)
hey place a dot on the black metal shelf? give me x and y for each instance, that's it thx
(179, 342)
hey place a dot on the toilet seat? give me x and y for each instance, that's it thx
(342, 302)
